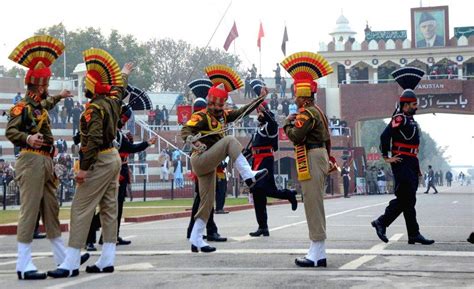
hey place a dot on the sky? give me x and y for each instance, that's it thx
(309, 22)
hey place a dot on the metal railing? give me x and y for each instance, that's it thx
(340, 130)
(140, 169)
(144, 127)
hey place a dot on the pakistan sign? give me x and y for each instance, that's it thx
(463, 31)
(386, 35)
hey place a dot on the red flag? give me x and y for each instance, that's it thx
(260, 35)
(231, 37)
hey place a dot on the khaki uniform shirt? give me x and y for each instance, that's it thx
(205, 123)
(309, 127)
(98, 124)
(29, 117)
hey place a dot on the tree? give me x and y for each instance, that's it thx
(170, 63)
(161, 64)
(123, 48)
(15, 71)
(176, 63)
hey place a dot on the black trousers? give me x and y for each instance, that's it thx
(431, 185)
(406, 183)
(221, 190)
(266, 188)
(260, 203)
(95, 224)
(211, 226)
(122, 193)
(345, 181)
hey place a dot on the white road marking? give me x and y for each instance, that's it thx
(454, 202)
(354, 264)
(78, 280)
(129, 237)
(135, 267)
(248, 237)
(14, 261)
(382, 245)
(128, 267)
(357, 262)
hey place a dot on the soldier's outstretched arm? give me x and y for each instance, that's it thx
(129, 147)
(51, 101)
(232, 115)
(119, 91)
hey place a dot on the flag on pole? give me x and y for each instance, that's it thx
(231, 37)
(260, 35)
(285, 39)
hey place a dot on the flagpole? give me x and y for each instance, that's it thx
(235, 54)
(204, 50)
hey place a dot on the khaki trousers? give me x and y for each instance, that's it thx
(37, 182)
(99, 188)
(313, 193)
(204, 166)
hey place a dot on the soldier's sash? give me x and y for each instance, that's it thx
(302, 163)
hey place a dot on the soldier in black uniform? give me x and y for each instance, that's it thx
(345, 174)
(264, 143)
(401, 137)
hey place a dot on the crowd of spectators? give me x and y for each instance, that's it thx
(159, 118)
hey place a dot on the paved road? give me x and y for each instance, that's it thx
(160, 255)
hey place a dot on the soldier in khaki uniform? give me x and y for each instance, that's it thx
(308, 130)
(29, 128)
(205, 131)
(97, 179)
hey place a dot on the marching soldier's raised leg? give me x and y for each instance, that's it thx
(205, 131)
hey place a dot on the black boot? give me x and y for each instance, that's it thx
(215, 237)
(419, 239)
(95, 269)
(90, 247)
(31, 275)
(258, 176)
(303, 262)
(63, 273)
(38, 235)
(260, 232)
(293, 200)
(380, 230)
(471, 238)
(121, 241)
(205, 249)
(85, 257)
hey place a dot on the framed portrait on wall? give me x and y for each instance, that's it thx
(429, 26)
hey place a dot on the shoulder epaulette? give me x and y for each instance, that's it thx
(398, 119)
(17, 109)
